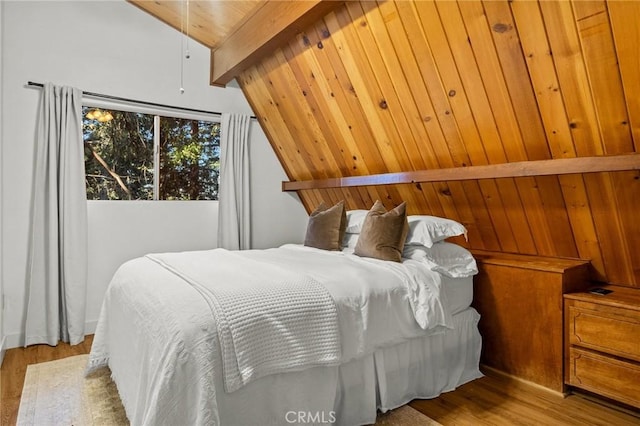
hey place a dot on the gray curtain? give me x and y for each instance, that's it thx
(234, 225)
(57, 264)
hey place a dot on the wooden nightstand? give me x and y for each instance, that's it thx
(602, 343)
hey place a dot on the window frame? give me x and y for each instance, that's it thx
(157, 112)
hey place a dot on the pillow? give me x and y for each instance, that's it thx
(449, 259)
(428, 230)
(326, 226)
(383, 233)
(350, 240)
(355, 219)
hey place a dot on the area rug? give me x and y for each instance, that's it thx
(57, 393)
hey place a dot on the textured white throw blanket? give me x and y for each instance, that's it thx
(269, 319)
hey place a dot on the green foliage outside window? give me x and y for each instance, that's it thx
(189, 159)
(119, 160)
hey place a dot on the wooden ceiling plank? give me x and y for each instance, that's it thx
(535, 44)
(209, 21)
(600, 56)
(387, 32)
(530, 208)
(532, 215)
(627, 188)
(602, 59)
(273, 123)
(543, 76)
(460, 97)
(299, 119)
(282, 87)
(313, 85)
(344, 35)
(336, 87)
(440, 123)
(507, 222)
(448, 147)
(515, 72)
(606, 84)
(626, 34)
(574, 84)
(439, 66)
(249, 87)
(469, 78)
(514, 68)
(388, 25)
(366, 89)
(492, 78)
(310, 200)
(325, 122)
(565, 221)
(386, 56)
(404, 116)
(487, 231)
(623, 17)
(372, 34)
(455, 129)
(389, 109)
(353, 129)
(482, 87)
(271, 26)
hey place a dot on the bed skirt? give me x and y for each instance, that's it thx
(349, 394)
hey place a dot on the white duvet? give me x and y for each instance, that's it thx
(158, 334)
(269, 319)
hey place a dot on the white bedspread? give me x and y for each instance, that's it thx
(269, 319)
(158, 335)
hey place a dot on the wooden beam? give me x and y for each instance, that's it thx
(273, 24)
(558, 166)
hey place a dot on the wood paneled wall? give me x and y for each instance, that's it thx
(387, 86)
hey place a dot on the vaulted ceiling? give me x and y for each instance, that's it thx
(208, 22)
(383, 87)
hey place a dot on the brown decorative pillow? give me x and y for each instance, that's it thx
(326, 227)
(383, 233)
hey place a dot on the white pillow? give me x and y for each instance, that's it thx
(350, 240)
(428, 230)
(355, 219)
(449, 259)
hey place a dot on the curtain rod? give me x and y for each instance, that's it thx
(118, 98)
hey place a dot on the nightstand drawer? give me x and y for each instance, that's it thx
(605, 331)
(606, 376)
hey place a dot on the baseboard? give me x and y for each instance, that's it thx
(494, 371)
(17, 340)
(606, 402)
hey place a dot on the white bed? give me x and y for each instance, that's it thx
(157, 334)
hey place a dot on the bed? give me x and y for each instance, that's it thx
(391, 332)
(373, 310)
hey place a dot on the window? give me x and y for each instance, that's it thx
(138, 156)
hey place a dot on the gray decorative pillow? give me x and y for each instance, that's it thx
(383, 233)
(326, 227)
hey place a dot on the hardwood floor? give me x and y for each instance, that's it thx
(492, 400)
(500, 400)
(14, 368)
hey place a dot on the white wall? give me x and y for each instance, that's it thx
(2, 337)
(114, 48)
